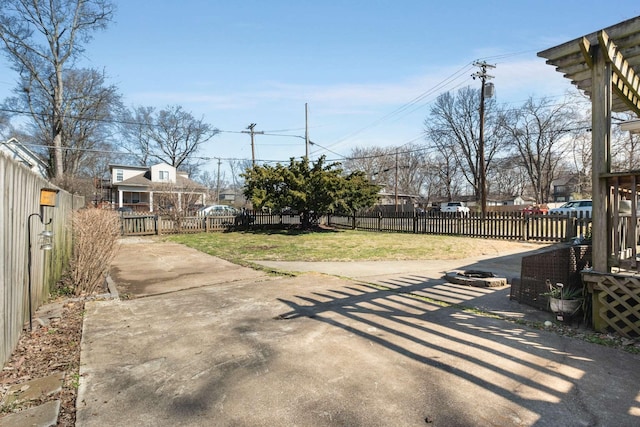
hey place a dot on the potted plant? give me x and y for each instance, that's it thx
(564, 301)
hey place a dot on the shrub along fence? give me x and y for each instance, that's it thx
(19, 217)
(495, 225)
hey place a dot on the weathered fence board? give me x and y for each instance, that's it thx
(19, 210)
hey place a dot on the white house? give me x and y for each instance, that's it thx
(135, 186)
(17, 151)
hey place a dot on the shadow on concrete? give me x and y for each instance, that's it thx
(554, 380)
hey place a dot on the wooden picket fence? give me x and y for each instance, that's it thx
(147, 224)
(494, 225)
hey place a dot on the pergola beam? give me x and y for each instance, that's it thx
(625, 81)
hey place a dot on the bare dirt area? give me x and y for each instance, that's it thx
(50, 348)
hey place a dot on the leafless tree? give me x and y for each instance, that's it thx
(580, 149)
(134, 126)
(176, 201)
(446, 173)
(412, 169)
(625, 146)
(407, 169)
(215, 183)
(42, 39)
(238, 167)
(508, 177)
(6, 129)
(377, 163)
(370, 160)
(537, 132)
(87, 106)
(453, 129)
(171, 135)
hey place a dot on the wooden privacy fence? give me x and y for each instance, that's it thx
(494, 225)
(19, 218)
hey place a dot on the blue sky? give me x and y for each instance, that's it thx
(358, 64)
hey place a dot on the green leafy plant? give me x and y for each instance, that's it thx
(559, 291)
(75, 380)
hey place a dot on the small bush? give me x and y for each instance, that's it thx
(95, 243)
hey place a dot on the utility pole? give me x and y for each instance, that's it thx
(253, 147)
(218, 183)
(306, 130)
(483, 76)
(396, 186)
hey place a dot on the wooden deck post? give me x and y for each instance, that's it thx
(601, 99)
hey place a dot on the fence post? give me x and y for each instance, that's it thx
(572, 228)
(155, 225)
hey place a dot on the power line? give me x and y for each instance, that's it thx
(408, 104)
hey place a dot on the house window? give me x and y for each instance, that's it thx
(164, 175)
(119, 175)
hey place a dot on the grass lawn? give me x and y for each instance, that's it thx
(341, 245)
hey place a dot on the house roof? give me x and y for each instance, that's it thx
(564, 180)
(115, 166)
(620, 44)
(143, 181)
(184, 182)
(23, 153)
(137, 181)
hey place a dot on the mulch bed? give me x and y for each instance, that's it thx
(44, 351)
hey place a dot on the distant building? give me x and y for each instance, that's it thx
(19, 152)
(564, 187)
(136, 187)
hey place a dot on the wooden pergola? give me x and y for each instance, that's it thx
(606, 66)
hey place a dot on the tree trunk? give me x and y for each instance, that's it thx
(58, 173)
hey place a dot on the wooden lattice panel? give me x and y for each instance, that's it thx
(616, 303)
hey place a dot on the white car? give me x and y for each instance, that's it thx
(574, 207)
(455, 207)
(217, 210)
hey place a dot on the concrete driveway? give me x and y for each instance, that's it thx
(230, 346)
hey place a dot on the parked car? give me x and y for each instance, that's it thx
(124, 209)
(433, 209)
(455, 207)
(576, 207)
(289, 211)
(217, 210)
(536, 210)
